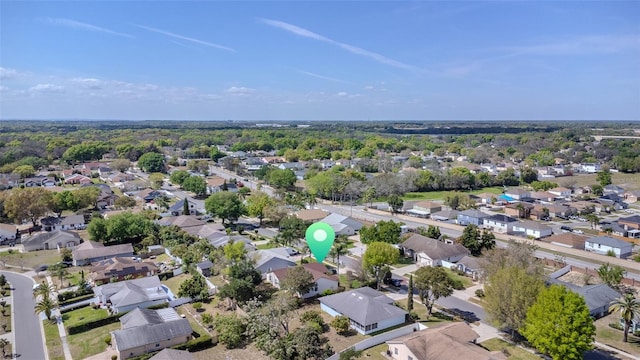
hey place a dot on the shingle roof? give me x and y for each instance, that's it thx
(81, 253)
(56, 235)
(120, 266)
(316, 270)
(182, 221)
(132, 292)
(172, 354)
(433, 248)
(72, 220)
(571, 239)
(501, 218)
(609, 241)
(364, 305)
(474, 214)
(146, 328)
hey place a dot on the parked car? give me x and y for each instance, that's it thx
(41, 268)
(566, 228)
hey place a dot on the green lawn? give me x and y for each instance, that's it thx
(174, 282)
(54, 344)
(613, 337)
(30, 259)
(84, 314)
(355, 283)
(194, 325)
(90, 342)
(439, 195)
(513, 352)
(421, 311)
(466, 281)
(268, 245)
(375, 353)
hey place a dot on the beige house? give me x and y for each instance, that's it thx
(144, 331)
(454, 341)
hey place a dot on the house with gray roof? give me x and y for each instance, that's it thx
(172, 354)
(204, 268)
(73, 222)
(431, 252)
(606, 244)
(267, 261)
(51, 240)
(499, 223)
(368, 310)
(531, 229)
(471, 217)
(343, 225)
(144, 331)
(445, 215)
(91, 251)
(130, 294)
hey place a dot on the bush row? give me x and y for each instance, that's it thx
(75, 299)
(73, 294)
(86, 326)
(201, 343)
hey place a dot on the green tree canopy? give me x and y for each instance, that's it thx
(477, 240)
(225, 205)
(628, 307)
(298, 281)
(432, 283)
(377, 257)
(195, 184)
(558, 324)
(151, 162)
(383, 231)
(179, 176)
(30, 203)
(611, 275)
(257, 203)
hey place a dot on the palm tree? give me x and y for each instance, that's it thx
(60, 271)
(46, 306)
(43, 290)
(340, 248)
(629, 308)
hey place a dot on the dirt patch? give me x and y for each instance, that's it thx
(580, 279)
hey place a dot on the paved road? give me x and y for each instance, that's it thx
(28, 335)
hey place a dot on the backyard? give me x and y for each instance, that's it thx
(439, 195)
(29, 260)
(513, 352)
(613, 337)
(90, 342)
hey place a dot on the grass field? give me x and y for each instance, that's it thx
(90, 342)
(174, 282)
(421, 311)
(513, 352)
(30, 259)
(628, 181)
(613, 337)
(439, 195)
(84, 314)
(54, 344)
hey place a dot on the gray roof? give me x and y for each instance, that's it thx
(267, 260)
(531, 225)
(473, 213)
(172, 354)
(61, 236)
(131, 292)
(470, 262)
(204, 265)
(143, 332)
(501, 218)
(72, 220)
(433, 248)
(609, 241)
(445, 214)
(335, 219)
(365, 305)
(224, 240)
(141, 317)
(82, 252)
(597, 296)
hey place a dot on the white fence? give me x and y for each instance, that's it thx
(379, 339)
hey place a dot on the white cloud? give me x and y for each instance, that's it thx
(186, 38)
(46, 88)
(6, 74)
(342, 94)
(239, 90)
(350, 48)
(598, 44)
(73, 24)
(89, 83)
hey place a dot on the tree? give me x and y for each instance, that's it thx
(516, 254)
(432, 283)
(475, 240)
(125, 202)
(241, 285)
(528, 175)
(151, 162)
(235, 251)
(339, 248)
(283, 179)
(66, 254)
(59, 271)
(230, 329)
(195, 184)
(604, 177)
(24, 171)
(291, 229)
(558, 324)
(611, 275)
(121, 165)
(377, 256)
(341, 324)
(30, 203)
(45, 305)
(156, 179)
(395, 203)
(410, 294)
(215, 154)
(195, 288)
(509, 293)
(350, 354)
(257, 202)
(433, 232)
(179, 176)
(369, 195)
(382, 231)
(185, 207)
(628, 306)
(298, 281)
(225, 205)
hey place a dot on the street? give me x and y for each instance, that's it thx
(28, 334)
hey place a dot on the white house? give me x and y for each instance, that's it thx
(321, 277)
(533, 229)
(590, 168)
(73, 222)
(605, 244)
(499, 223)
(130, 294)
(560, 191)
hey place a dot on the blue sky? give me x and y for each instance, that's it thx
(330, 60)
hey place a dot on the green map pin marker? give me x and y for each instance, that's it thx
(320, 238)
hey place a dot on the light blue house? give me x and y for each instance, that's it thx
(368, 310)
(471, 217)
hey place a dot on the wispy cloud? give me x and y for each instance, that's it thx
(598, 44)
(240, 90)
(46, 88)
(186, 38)
(350, 48)
(73, 24)
(318, 76)
(6, 74)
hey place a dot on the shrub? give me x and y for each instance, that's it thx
(611, 253)
(107, 340)
(75, 299)
(480, 293)
(114, 357)
(197, 306)
(312, 316)
(341, 324)
(458, 284)
(616, 326)
(201, 343)
(637, 258)
(414, 315)
(165, 275)
(328, 292)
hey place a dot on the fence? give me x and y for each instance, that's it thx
(379, 339)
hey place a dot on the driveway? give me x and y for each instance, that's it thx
(28, 328)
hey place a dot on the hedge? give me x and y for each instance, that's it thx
(201, 343)
(165, 275)
(75, 299)
(86, 326)
(73, 294)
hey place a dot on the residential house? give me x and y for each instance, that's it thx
(531, 229)
(613, 189)
(518, 193)
(172, 354)
(613, 228)
(51, 240)
(518, 209)
(431, 252)
(451, 341)
(560, 191)
(127, 295)
(631, 196)
(368, 310)
(582, 207)
(267, 261)
(148, 195)
(293, 166)
(553, 210)
(322, 279)
(184, 222)
(471, 217)
(630, 222)
(424, 208)
(73, 222)
(224, 240)
(91, 251)
(77, 179)
(215, 184)
(120, 268)
(605, 245)
(598, 297)
(486, 198)
(470, 266)
(343, 225)
(590, 168)
(38, 181)
(312, 215)
(177, 209)
(445, 215)
(569, 240)
(253, 163)
(499, 223)
(119, 178)
(143, 331)
(7, 232)
(544, 197)
(204, 268)
(50, 223)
